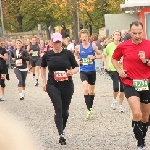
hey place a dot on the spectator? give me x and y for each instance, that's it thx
(125, 35)
(94, 38)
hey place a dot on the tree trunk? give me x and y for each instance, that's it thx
(19, 19)
(90, 26)
(47, 32)
(75, 21)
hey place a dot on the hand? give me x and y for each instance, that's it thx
(105, 68)
(13, 59)
(31, 51)
(1, 56)
(122, 73)
(91, 57)
(121, 61)
(69, 72)
(79, 61)
(44, 87)
(19, 55)
(142, 56)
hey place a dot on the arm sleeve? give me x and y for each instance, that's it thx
(44, 62)
(118, 53)
(72, 60)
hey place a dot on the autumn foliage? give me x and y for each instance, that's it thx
(24, 15)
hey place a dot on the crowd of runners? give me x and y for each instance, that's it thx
(128, 66)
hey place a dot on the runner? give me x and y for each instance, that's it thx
(108, 52)
(20, 57)
(85, 56)
(60, 88)
(136, 79)
(3, 70)
(34, 51)
(43, 48)
(70, 45)
(50, 45)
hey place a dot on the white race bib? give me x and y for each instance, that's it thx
(60, 75)
(19, 62)
(35, 53)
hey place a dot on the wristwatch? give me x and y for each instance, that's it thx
(147, 60)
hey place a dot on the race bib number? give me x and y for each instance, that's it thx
(141, 85)
(3, 76)
(19, 62)
(87, 61)
(35, 53)
(60, 76)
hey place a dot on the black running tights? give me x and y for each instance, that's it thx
(61, 99)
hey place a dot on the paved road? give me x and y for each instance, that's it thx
(109, 130)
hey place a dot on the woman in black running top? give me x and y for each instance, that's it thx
(20, 56)
(60, 88)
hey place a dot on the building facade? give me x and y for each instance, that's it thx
(142, 9)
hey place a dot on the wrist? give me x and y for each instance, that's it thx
(72, 71)
(119, 70)
(143, 60)
(146, 61)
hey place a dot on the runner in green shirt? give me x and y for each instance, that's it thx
(108, 52)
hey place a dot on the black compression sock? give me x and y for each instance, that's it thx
(91, 97)
(138, 131)
(145, 129)
(87, 101)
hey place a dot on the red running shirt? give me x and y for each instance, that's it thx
(136, 69)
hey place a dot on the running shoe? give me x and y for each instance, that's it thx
(3, 98)
(144, 148)
(91, 113)
(121, 110)
(62, 140)
(37, 84)
(113, 105)
(22, 98)
(140, 148)
(88, 114)
(23, 95)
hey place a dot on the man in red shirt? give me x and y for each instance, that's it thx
(136, 79)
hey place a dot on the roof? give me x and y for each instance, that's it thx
(134, 6)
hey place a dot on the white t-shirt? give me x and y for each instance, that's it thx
(70, 47)
(17, 53)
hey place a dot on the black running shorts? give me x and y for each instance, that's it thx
(35, 62)
(143, 95)
(90, 77)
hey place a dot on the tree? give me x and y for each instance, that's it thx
(24, 15)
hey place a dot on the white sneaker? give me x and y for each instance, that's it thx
(3, 98)
(140, 148)
(113, 105)
(23, 95)
(121, 109)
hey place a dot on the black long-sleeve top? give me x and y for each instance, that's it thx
(20, 62)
